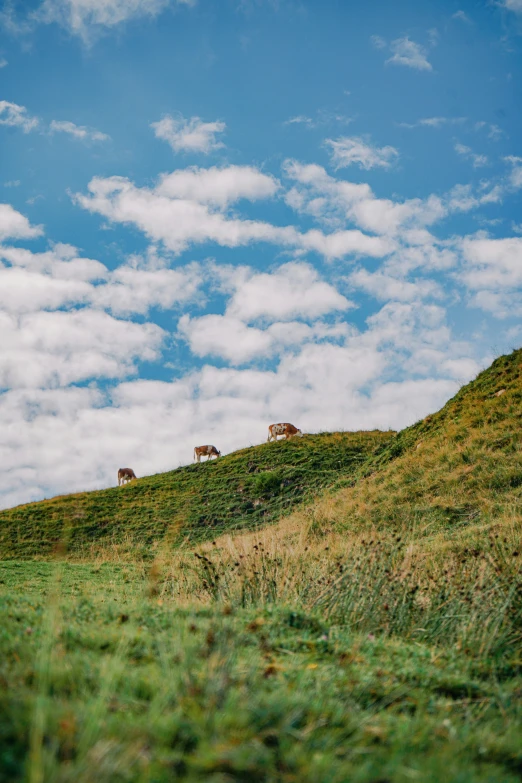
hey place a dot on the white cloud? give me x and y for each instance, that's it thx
(179, 222)
(60, 278)
(409, 53)
(192, 135)
(347, 151)
(229, 338)
(23, 291)
(14, 225)
(466, 152)
(48, 349)
(81, 17)
(294, 290)
(492, 263)
(130, 290)
(16, 116)
(224, 336)
(384, 286)
(78, 131)
(3, 62)
(62, 262)
(501, 304)
(336, 201)
(217, 186)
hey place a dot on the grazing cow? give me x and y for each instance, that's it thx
(205, 451)
(125, 474)
(287, 430)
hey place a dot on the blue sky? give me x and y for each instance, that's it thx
(214, 216)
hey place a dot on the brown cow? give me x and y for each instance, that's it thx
(205, 451)
(286, 430)
(125, 475)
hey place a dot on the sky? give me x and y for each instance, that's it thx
(220, 214)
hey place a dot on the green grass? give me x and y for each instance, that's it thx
(243, 490)
(457, 469)
(105, 677)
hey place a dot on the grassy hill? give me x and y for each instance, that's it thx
(248, 488)
(371, 632)
(458, 468)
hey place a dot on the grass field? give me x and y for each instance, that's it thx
(364, 625)
(105, 678)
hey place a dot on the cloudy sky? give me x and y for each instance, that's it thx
(219, 214)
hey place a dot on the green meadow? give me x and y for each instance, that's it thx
(341, 607)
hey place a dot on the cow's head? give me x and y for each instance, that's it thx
(299, 433)
(218, 453)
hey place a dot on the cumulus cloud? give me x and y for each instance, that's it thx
(347, 151)
(60, 278)
(192, 135)
(180, 222)
(46, 349)
(130, 290)
(384, 286)
(217, 186)
(295, 290)
(16, 116)
(410, 54)
(326, 198)
(14, 225)
(77, 131)
(492, 263)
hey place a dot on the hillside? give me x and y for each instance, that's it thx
(248, 488)
(458, 468)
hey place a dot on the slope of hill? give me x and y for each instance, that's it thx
(247, 488)
(457, 468)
